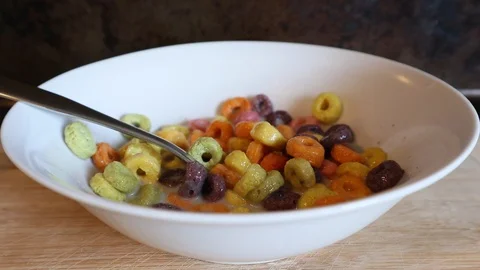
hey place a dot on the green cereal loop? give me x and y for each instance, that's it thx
(102, 188)
(253, 177)
(273, 182)
(137, 120)
(79, 140)
(147, 195)
(206, 151)
(120, 177)
(299, 173)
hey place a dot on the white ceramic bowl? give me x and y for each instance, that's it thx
(422, 122)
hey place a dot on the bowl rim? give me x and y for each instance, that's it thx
(251, 218)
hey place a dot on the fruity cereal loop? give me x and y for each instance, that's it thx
(250, 157)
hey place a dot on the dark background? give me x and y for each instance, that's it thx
(41, 39)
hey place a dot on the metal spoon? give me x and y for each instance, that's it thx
(38, 97)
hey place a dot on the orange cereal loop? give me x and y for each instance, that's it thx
(256, 151)
(306, 148)
(194, 135)
(236, 143)
(286, 130)
(212, 208)
(180, 202)
(242, 129)
(341, 154)
(221, 131)
(328, 168)
(274, 161)
(350, 187)
(231, 177)
(330, 200)
(105, 155)
(231, 107)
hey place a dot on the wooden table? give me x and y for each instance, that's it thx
(437, 228)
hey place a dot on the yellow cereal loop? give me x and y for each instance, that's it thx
(327, 108)
(183, 129)
(353, 168)
(123, 148)
(170, 161)
(236, 143)
(102, 188)
(234, 199)
(141, 148)
(374, 156)
(174, 136)
(220, 118)
(299, 173)
(252, 178)
(272, 182)
(144, 166)
(268, 135)
(237, 161)
(311, 195)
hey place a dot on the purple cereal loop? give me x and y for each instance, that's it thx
(214, 188)
(200, 124)
(278, 117)
(262, 104)
(310, 128)
(166, 206)
(195, 174)
(246, 116)
(172, 178)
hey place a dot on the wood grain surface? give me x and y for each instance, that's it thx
(437, 228)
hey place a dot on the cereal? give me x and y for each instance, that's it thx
(231, 177)
(172, 178)
(306, 148)
(299, 173)
(136, 120)
(221, 131)
(246, 116)
(282, 199)
(272, 182)
(337, 134)
(386, 175)
(268, 135)
(120, 177)
(256, 151)
(341, 154)
(286, 130)
(350, 187)
(233, 106)
(144, 166)
(148, 194)
(104, 155)
(214, 188)
(242, 129)
(252, 178)
(353, 168)
(237, 161)
(79, 140)
(262, 105)
(195, 175)
(274, 161)
(309, 197)
(236, 143)
(234, 199)
(206, 151)
(374, 156)
(174, 136)
(279, 117)
(248, 158)
(327, 108)
(102, 188)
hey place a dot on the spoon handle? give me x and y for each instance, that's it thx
(18, 91)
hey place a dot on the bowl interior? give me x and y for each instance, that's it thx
(421, 122)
